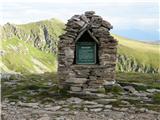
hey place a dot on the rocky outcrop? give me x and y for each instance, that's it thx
(128, 64)
(41, 35)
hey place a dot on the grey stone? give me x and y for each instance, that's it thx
(69, 53)
(96, 109)
(109, 83)
(130, 89)
(33, 105)
(94, 106)
(76, 80)
(54, 108)
(153, 90)
(108, 106)
(158, 81)
(105, 101)
(74, 100)
(44, 117)
(60, 118)
(80, 23)
(90, 103)
(143, 109)
(75, 88)
(106, 24)
(124, 109)
(85, 109)
(84, 18)
(89, 13)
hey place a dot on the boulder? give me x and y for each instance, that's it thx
(74, 100)
(105, 101)
(131, 89)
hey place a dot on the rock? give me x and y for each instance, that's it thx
(80, 23)
(124, 109)
(100, 95)
(76, 80)
(66, 109)
(130, 89)
(54, 108)
(107, 24)
(158, 81)
(61, 118)
(95, 106)
(69, 53)
(152, 90)
(75, 89)
(61, 102)
(109, 83)
(89, 13)
(105, 101)
(85, 109)
(84, 18)
(143, 109)
(33, 105)
(74, 100)
(44, 117)
(108, 106)
(12, 103)
(125, 102)
(96, 109)
(89, 103)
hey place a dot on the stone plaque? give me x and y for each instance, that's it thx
(86, 53)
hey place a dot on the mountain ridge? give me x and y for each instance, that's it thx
(43, 36)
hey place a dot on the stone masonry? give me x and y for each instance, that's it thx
(86, 77)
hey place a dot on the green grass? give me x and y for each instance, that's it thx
(19, 57)
(114, 89)
(31, 86)
(156, 98)
(145, 53)
(145, 78)
(54, 28)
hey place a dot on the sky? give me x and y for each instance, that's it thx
(135, 19)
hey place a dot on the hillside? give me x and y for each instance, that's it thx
(137, 56)
(42, 35)
(32, 48)
(19, 56)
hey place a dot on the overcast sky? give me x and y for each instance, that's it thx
(137, 19)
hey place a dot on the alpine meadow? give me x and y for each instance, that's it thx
(33, 47)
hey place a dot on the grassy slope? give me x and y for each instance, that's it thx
(22, 57)
(144, 53)
(54, 26)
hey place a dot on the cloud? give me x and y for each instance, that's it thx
(123, 14)
(78, 1)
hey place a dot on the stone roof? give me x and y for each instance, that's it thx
(90, 22)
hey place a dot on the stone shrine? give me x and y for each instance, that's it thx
(86, 54)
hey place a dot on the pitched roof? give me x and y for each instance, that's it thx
(91, 35)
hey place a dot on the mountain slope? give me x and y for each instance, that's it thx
(42, 35)
(137, 56)
(19, 56)
(32, 48)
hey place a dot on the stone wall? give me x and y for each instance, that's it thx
(78, 78)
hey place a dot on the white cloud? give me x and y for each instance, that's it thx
(140, 23)
(78, 1)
